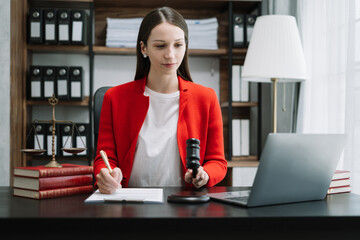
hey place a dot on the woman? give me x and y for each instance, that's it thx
(145, 123)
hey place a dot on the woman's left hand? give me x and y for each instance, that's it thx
(200, 180)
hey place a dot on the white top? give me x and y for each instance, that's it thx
(157, 159)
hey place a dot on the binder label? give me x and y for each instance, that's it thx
(77, 31)
(63, 32)
(48, 88)
(35, 29)
(50, 31)
(41, 140)
(62, 87)
(75, 89)
(238, 34)
(35, 89)
(80, 144)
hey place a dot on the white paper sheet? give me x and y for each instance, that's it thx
(142, 195)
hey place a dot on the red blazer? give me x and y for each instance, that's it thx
(124, 110)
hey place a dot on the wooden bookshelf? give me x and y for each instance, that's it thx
(243, 161)
(103, 50)
(239, 104)
(57, 49)
(83, 103)
(191, 9)
(132, 51)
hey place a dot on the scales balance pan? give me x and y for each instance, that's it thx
(73, 150)
(33, 151)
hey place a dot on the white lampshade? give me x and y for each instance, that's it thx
(275, 51)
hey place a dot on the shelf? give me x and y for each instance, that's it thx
(132, 51)
(243, 161)
(239, 104)
(63, 3)
(113, 51)
(58, 159)
(83, 103)
(238, 55)
(204, 52)
(58, 49)
(200, 5)
(124, 51)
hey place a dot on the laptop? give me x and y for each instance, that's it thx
(293, 168)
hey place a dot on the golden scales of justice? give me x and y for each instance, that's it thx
(53, 163)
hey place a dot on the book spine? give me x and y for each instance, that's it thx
(66, 181)
(340, 182)
(65, 172)
(62, 192)
(341, 174)
(342, 189)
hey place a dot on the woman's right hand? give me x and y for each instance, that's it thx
(109, 182)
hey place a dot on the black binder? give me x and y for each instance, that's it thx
(49, 76)
(82, 138)
(76, 83)
(35, 83)
(40, 135)
(66, 138)
(49, 128)
(78, 26)
(249, 25)
(63, 26)
(35, 26)
(238, 30)
(62, 83)
(50, 26)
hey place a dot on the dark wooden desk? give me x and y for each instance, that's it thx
(336, 217)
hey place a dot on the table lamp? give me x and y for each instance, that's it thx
(275, 52)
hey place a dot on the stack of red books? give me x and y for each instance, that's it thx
(41, 182)
(340, 182)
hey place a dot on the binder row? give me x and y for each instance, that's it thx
(57, 26)
(242, 30)
(65, 82)
(65, 137)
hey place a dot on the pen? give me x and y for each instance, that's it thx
(123, 200)
(106, 160)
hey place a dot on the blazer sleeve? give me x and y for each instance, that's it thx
(106, 140)
(214, 162)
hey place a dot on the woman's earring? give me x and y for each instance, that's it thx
(144, 55)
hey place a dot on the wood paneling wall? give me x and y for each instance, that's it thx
(17, 84)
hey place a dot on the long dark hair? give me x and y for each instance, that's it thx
(150, 21)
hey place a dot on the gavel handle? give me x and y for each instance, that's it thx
(195, 171)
